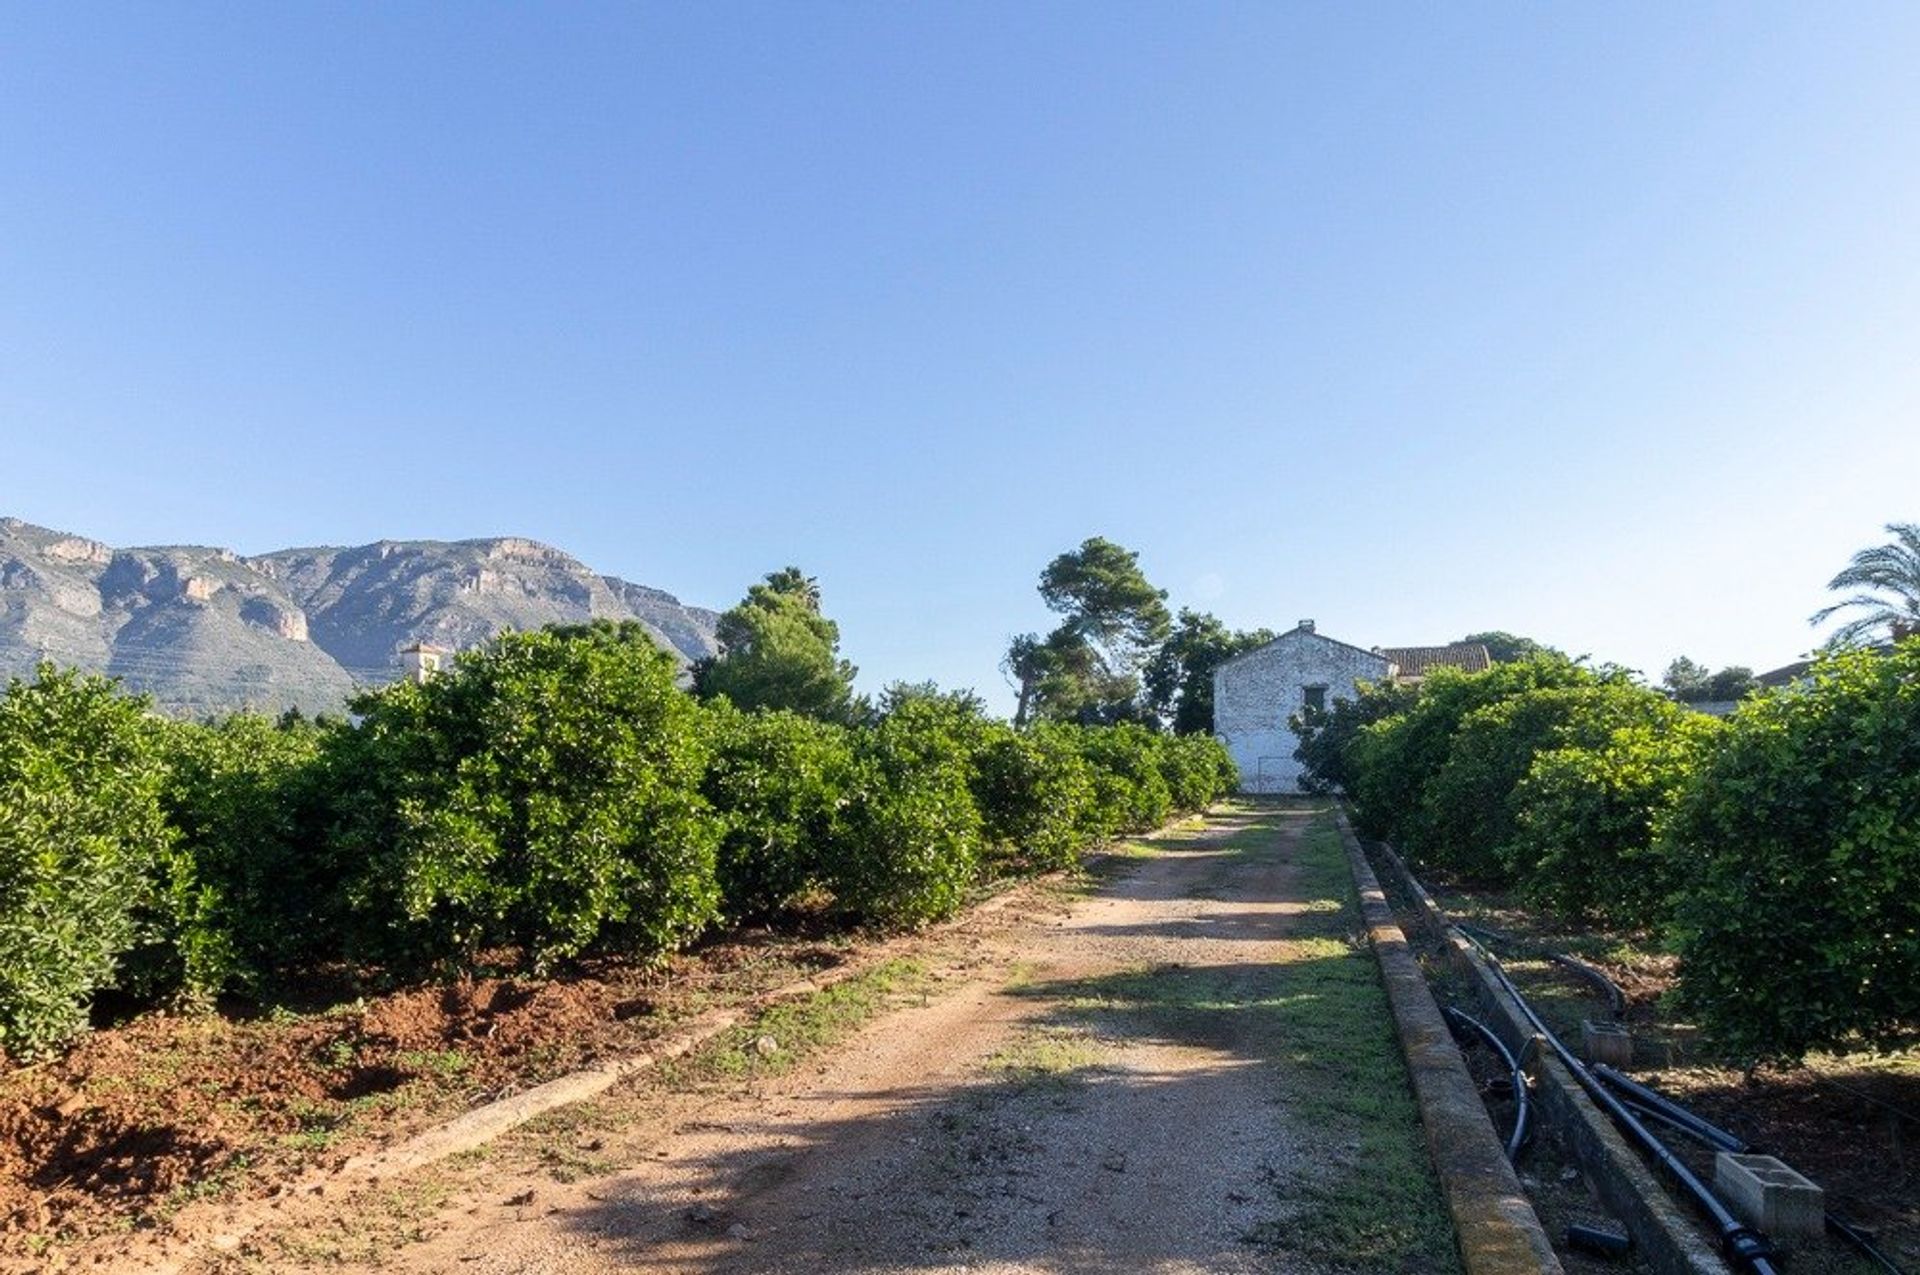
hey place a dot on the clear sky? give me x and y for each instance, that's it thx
(1600, 323)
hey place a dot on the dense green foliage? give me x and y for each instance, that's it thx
(81, 832)
(1329, 737)
(546, 796)
(1197, 770)
(1088, 669)
(1036, 795)
(1468, 808)
(237, 895)
(553, 794)
(1130, 788)
(1395, 757)
(1587, 820)
(1179, 677)
(911, 837)
(1779, 850)
(1800, 926)
(778, 651)
(779, 781)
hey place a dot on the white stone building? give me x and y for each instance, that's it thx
(1256, 693)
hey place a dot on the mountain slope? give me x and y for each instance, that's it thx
(205, 630)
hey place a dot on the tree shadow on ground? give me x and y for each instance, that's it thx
(1216, 1117)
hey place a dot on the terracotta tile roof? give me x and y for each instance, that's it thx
(1418, 661)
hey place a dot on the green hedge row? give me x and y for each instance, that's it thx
(554, 794)
(1778, 850)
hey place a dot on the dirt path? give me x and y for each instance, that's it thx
(1174, 1074)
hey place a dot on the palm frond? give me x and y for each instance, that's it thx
(1856, 631)
(1891, 572)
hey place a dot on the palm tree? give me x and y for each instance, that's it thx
(1889, 574)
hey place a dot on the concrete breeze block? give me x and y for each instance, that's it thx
(1769, 1196)
(1608, 1043)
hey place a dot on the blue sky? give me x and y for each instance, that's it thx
(1596, 323)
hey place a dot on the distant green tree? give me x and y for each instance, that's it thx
(1732, 682)
(1058, 677)
(1690, 683)
(778, 651)
(1889, 579)
(1686, 680)
(1507, 648)
(896, 694)
(1088, 669)
(1179, 677)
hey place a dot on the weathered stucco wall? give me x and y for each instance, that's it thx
(1254, 695)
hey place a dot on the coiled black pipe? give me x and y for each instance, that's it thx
(1740, 1242)
(1518, 1137)
(1664, 1108)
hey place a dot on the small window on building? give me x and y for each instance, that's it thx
(1316, 698)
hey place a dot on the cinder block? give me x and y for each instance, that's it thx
(1608, 1043)
(1768, 1196)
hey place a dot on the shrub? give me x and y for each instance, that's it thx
(544, 793)
(1467, 808)
(1586, 839)
(777, 781)
(80, 831)
(1035, 793)
(1395, 757)
(1800, 928)
(238, 899)
(1328, 737)
(909, 842)
(1130, 792)
(1197, 769)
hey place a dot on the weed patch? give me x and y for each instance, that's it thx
(786, 1033)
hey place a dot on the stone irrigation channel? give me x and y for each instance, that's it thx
(1582, 1168)
(1187, 1061)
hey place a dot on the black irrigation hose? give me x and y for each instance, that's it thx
(1654, 1113)
(1616, 999)
(1663, 1108)
(1740, 1242)
(1518, 1137)
(1846, 1232)
(1672, 1112)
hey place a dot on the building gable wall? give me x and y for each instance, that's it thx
(1255, 694)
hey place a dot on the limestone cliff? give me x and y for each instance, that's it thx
(205, 630)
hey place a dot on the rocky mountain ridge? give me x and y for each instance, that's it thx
(206, 630)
